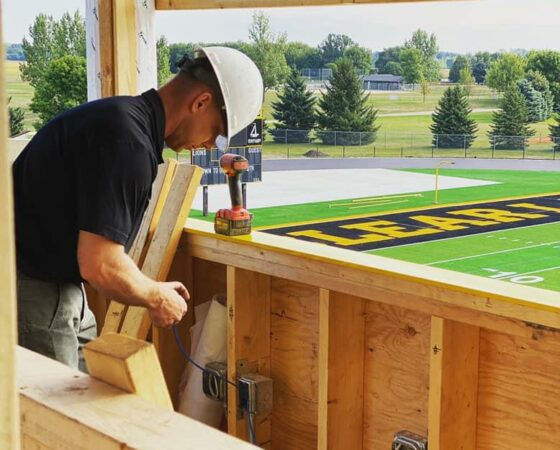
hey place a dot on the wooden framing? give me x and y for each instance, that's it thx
(64, 408)
(361, 348)
(224, 4)
(9, 417)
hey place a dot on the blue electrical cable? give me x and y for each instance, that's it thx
(249, 415)
(189, 359)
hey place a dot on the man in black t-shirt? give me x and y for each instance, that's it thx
(81, 187)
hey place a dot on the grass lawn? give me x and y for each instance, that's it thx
(511, 183)
(409, 136)
(405, 101)
(20, 91)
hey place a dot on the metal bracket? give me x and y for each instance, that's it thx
(406, 440)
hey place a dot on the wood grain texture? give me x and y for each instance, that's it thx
(226, 4)
(106, 50)
(294, 364)
(65, 409)
(124, 47)
(396, 374)
(129, 364)
(341, 374)
(9, 423)
(440, 292)
(248, 341)
(453, 385)
(519, 392)
(164, 242)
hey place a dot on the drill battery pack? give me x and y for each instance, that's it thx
(233, 223)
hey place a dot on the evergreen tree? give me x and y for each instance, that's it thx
(344, 107)
(534, 100)
(555, 133)
(16, 116)
(509, 128)
(452, 127)
(294, 110)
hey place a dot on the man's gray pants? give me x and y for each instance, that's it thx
(54, 319)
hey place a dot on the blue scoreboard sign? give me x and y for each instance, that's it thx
(247, 143)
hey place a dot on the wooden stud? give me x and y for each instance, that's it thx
(164, 242)
(160, 189)
(129, 364)
(248, 346)
(9, 411)
(454, 353)
(106, 48)
(341, 371)
(124, 47)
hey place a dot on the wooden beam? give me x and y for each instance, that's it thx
(248, 346)
(129, 364)
(62, 408)
(341, 371)
(124, 47)
(9, 423)
(164, 242)
(454, 354)
(227, 4)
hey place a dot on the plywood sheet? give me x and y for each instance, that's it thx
(396, 374)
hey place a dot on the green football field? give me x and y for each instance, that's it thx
(525, 254)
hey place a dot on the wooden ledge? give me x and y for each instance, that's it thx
(371, 277)
(64, 408)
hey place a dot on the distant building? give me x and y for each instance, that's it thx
(382, 82)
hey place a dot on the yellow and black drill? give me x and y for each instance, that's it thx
(237, 220)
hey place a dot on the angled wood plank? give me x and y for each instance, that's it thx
(164, 242)
(129, 364)
(9, 423)
(116, 311)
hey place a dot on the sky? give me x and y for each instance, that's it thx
(460, 26)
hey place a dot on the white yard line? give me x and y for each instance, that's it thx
(492, 253)
(530, 273)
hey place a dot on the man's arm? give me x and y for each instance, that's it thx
(105, 265)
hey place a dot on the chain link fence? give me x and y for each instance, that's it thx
(348, 144)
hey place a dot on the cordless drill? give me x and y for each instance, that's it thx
(237, 220)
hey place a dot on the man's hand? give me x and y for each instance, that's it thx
(171, 304)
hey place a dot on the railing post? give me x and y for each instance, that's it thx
(465, 144)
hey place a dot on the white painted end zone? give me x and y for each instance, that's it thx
(309, 186)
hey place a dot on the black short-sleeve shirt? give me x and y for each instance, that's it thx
(91, 168)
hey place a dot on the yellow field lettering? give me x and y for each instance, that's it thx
(450, 223)
(391, 229)
(339, 240)
(499, 215)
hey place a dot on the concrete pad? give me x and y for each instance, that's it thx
(309, 186)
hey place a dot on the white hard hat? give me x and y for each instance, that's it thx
(241, 84)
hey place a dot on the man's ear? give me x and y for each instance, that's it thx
(201, 102)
